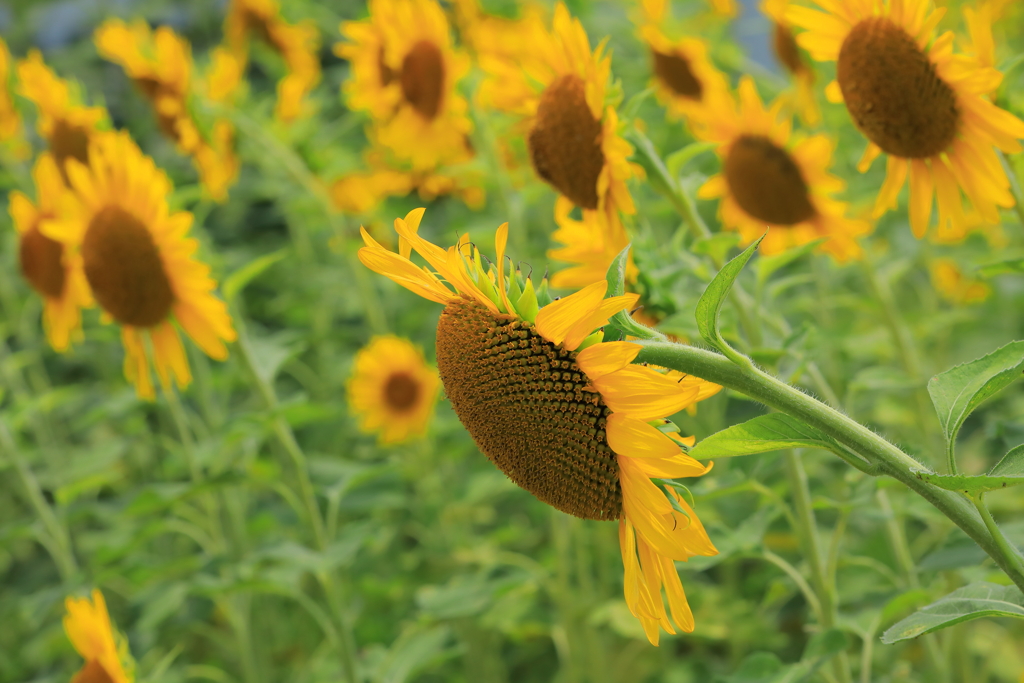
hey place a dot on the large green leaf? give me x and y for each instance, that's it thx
(710, 303)
(772, 432)
(958, 391)
(975, 601)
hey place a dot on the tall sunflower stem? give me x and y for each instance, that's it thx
(807, 531)
(889, 459)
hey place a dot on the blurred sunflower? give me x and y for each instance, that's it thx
(685, 80)
(392, 389)
(915, 100)
(105, 651)
(363, 191)
(139, 262)
(772, 179)
(589, 244)
(297, 44)
(563, 414)
(560, 87)
(67, 127)
(790, 57)
(484, 33)
(405, 75)
(10, 120)
(44, 262)
(954, 286)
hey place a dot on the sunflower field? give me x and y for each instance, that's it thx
(511, 341)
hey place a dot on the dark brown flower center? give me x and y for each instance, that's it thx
(423, 79)
(565, 142)
(529, 408)
(124, 269)
(675, 72)
(766, 182)
(893, 92)
(69, 141)
(401, 392)
(40, 259)
(92, 672)
(786, 50)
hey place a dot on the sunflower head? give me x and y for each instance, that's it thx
(392, 389)
(105, 651)
(589, 244)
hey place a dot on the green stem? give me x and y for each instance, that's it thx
(859, 439)
(1008, 549)
(807, 532)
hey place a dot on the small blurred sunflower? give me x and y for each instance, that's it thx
(45, 263)
(772, 179)
(405, 75)
(563, 414)
(139, 262)
(105, 651)
(560, 87)
(392, 389)
(954, 286)
(297, 44)
(10, 120)
(789, 56)
(589, 244)
(925, 107)
(66, 126)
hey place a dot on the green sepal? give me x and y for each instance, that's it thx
(526, 304)
(595, 338)
(543, 295)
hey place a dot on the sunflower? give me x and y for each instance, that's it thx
(363, 191)
(139, 262)
(590, 244)
(66, 127)
(954, 286)
(483, 33)
(770, 179)
(563, 414)
(790, 57)
(105, 651)
(560, 87)
(915, 100)
(45, 263)
(405, 75)
(297, 44)
(10, 120)
(392, 389)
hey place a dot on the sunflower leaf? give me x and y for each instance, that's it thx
(772, 432)
(237, 281)
(710, 304)
(959, 390)
(975, 601)
(622, 321)
(1014, 265)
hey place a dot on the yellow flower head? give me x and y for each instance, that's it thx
(105, 651)
(44, 262)
(392, 389)
(10, 120)
(589, 244)
(772, 179)
(559, 86)
(67, 127)
(917, 101)
(405, 75)
(566, 416)
(139, 261)
(790, 58)
(484, 34)
(954, 286)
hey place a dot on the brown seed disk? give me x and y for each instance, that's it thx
(423, 79)
(401, 392)
(565, 142)
(893, 92)
(124, 269)
(766, 182)
(40, 259)
(92, 672)
(786, 50)
(529, 408)
(675, 72)
(68, 141)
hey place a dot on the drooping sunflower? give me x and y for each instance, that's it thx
(66, 126)
(771, 179)
(45, 263)
(790, 58)
(392, 389)
(139, 261)
(105, 651)
(915, 100)
(589, 244)
(405, 75)
(563, 414)
(560, 87)
(297, 44)
(10, 120)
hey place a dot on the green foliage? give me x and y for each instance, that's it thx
(764, 434)
(710, 303)
(971, 602)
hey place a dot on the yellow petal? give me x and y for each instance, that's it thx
(636, 439)
(598, 318)
(603, 359)
(643, 393)
(555, 320)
